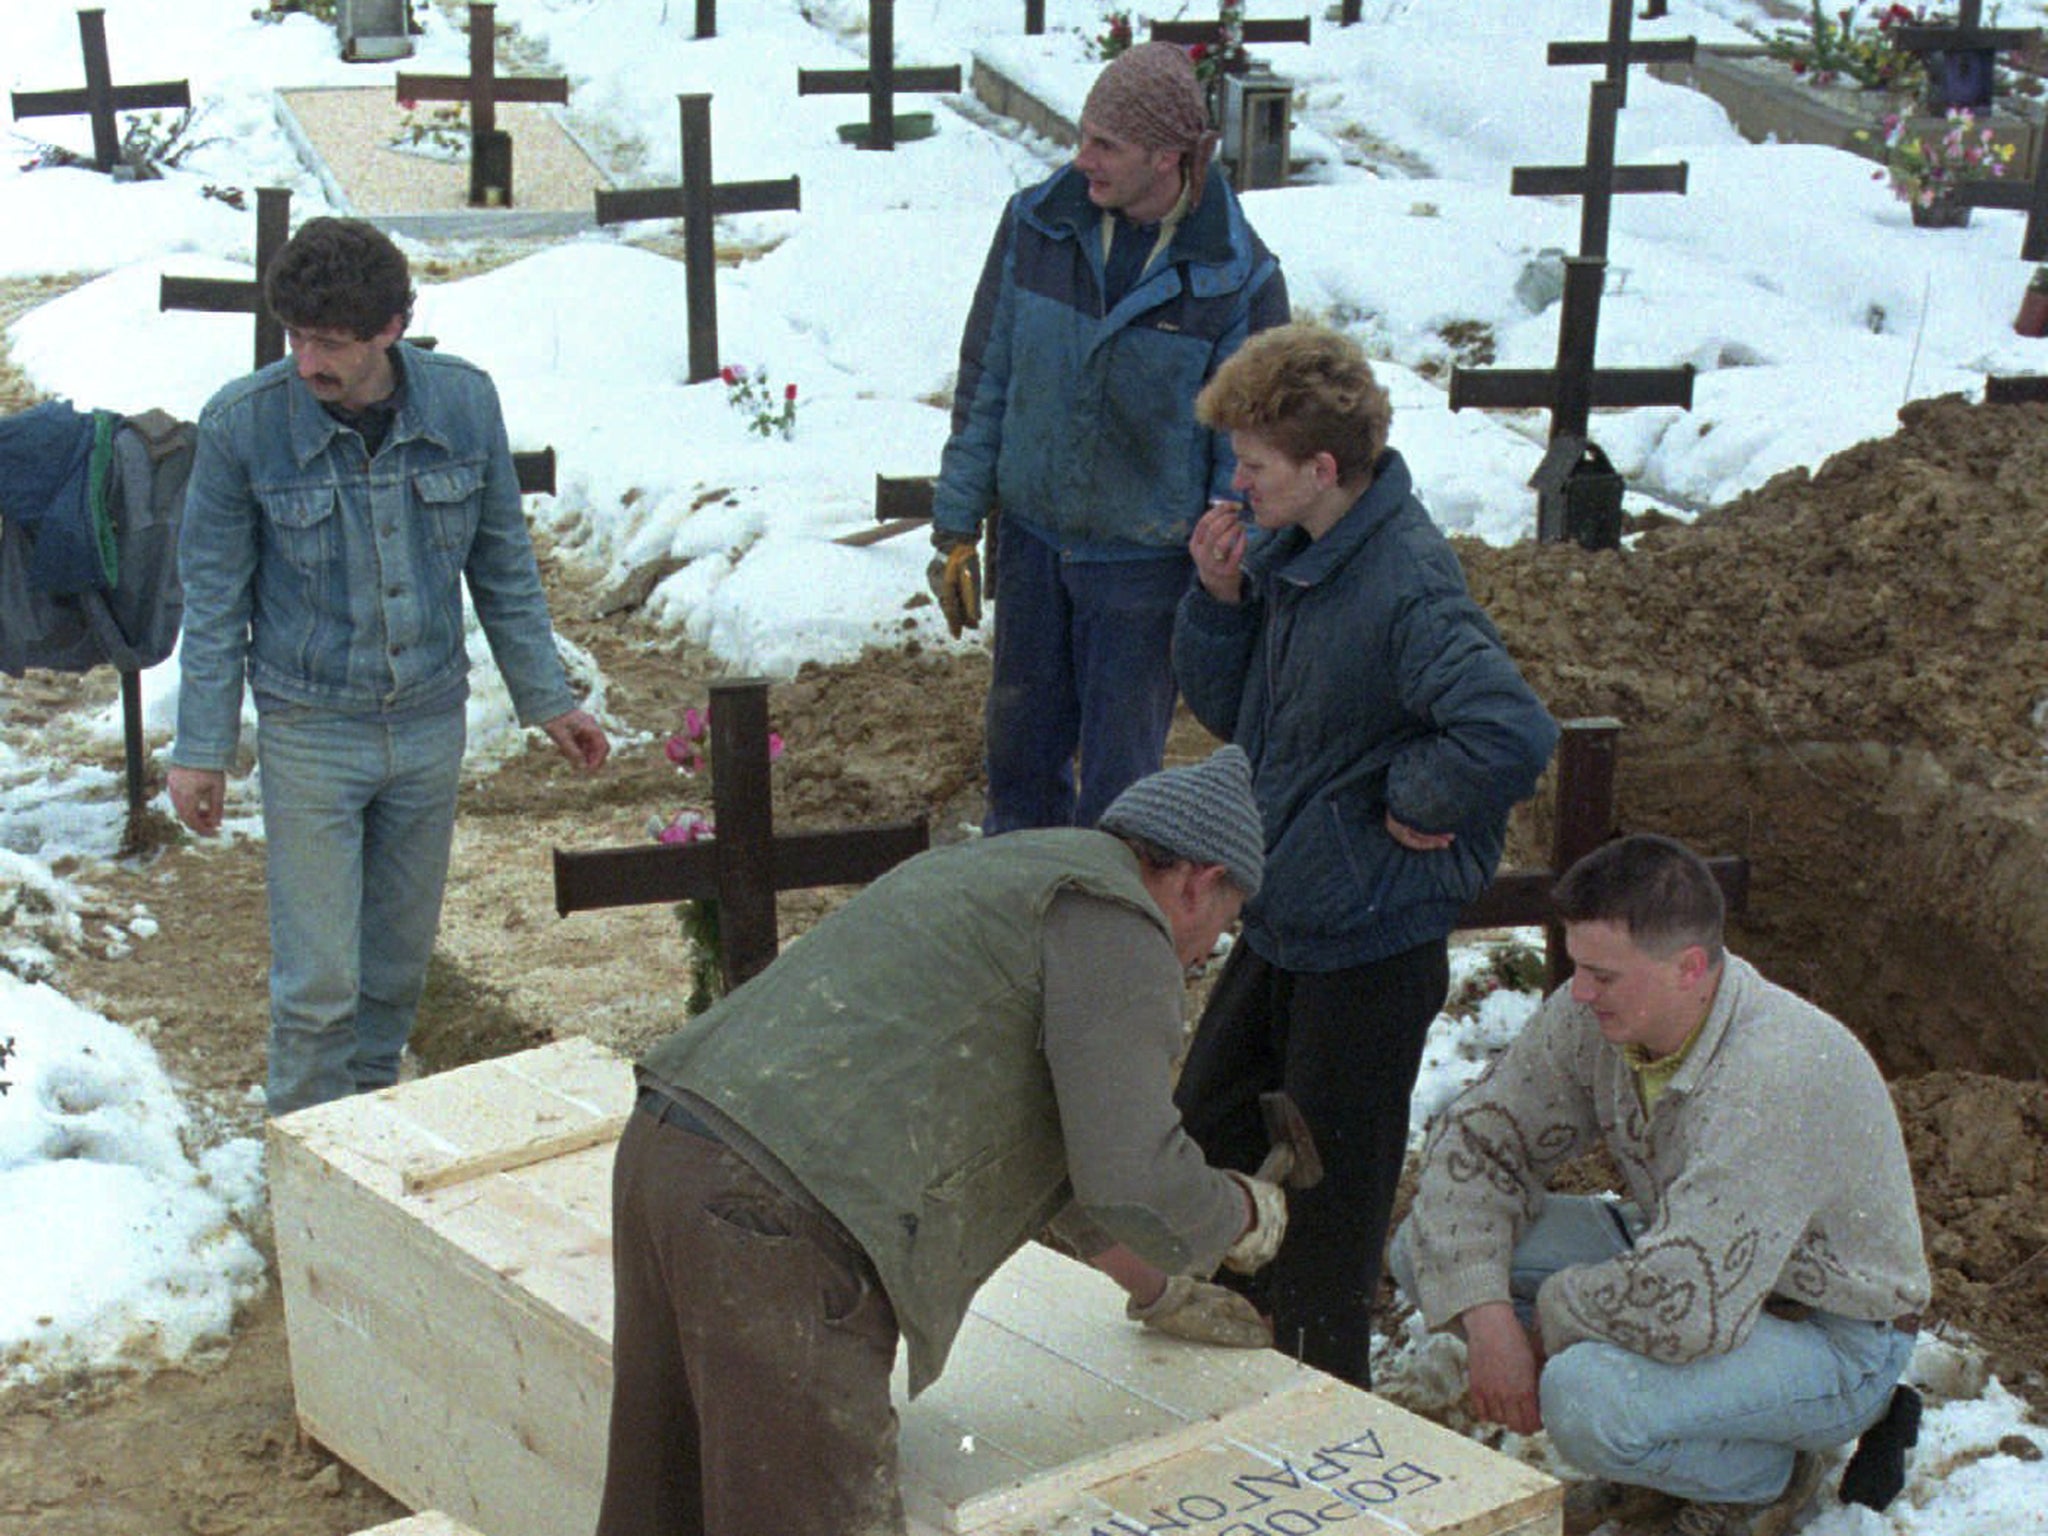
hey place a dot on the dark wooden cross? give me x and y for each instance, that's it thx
(242, 296)
(881, 80)
(101, 98)
(1034, 18)
(1210, 33)
(490, 148)
(1348, 13)
(1599, 180)
(697, 202)
(1617, 51)
(1585, 819)
(1575, 387)
(1570, 391)
(707, 18)
(1959, 59)
(746, 864)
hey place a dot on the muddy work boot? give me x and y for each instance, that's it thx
(1772, 1519)
(1595, 1502)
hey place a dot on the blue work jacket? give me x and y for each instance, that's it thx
(333, 580)
(1360, 678)
(1077, 418)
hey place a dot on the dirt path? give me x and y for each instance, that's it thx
(1839, 679)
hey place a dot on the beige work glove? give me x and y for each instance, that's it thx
(1254, 1250)
(1204, 1313)
(955, 578)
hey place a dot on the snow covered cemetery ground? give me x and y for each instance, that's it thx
(1790, 279)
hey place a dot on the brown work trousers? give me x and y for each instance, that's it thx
(751, 1352)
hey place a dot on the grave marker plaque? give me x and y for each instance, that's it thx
(373, 30)
(101, 98)
(1960, 60)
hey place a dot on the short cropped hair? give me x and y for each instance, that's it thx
(1305, 389)
(1655, 887)
(340, 274)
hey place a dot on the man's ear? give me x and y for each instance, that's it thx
(1692, 965)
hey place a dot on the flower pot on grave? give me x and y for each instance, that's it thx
(1945, 211)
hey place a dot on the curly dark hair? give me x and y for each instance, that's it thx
(340, 274)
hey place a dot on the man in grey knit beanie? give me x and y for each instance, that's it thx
(1204, 812)
(998, 1019)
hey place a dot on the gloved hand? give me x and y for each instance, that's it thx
(1255, 1248)
(955, 577)
(1207, 1314)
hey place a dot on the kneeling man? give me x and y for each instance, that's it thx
(1753, 1299)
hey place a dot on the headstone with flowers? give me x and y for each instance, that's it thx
(880, 82)
(730, 863)
(1958, 61)
(697, 202)
(100, 98)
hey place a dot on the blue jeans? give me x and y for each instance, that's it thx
(1082, 661)
(1723, 1429)
(358, 816)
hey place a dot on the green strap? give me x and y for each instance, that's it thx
(103, 424)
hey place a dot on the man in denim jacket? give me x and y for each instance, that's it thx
(339, 501)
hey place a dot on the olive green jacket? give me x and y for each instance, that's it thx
(893, 1062)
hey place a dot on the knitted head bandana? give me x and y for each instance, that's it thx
(1203, 812)
(1149, 96)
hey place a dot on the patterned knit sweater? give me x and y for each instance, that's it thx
(1772, 1165)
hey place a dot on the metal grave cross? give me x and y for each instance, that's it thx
(746, 864)
(101, 98)
(1189, 34)
(1959, 59)
(1586, 754)
(880, 81)
(1617, 52)
(490, 148)
(1599, 180)
(697, 202)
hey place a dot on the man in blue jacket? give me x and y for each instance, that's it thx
(1112, 292)
(340, 501)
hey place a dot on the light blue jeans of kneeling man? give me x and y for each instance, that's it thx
(358, 816)
(1722, 1430)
